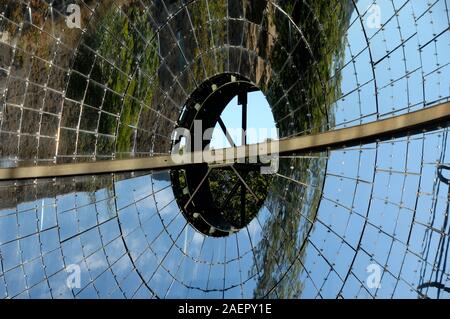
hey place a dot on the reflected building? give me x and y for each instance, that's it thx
(367, 220)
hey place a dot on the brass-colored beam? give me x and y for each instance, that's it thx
(330, 139)
(370, 131)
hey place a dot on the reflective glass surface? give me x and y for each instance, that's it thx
(367, 221)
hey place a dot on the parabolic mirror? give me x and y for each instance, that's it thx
(89, 81)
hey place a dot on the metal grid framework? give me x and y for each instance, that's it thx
(115, 89)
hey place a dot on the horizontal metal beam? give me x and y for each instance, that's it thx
(331, 139)
(369, 132)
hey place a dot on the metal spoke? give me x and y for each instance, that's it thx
(245, 184)
(231, 193)
(197, 188)
(225, 131)
(242, 100)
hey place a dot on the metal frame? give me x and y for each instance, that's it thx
(373, 131)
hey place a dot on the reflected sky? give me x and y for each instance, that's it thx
(260, 118)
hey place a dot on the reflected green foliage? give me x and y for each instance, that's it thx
(222, 184)
(322, 24)
(126, 95)
(294, 205)
(291, 205)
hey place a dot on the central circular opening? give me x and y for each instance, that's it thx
(226, 111)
